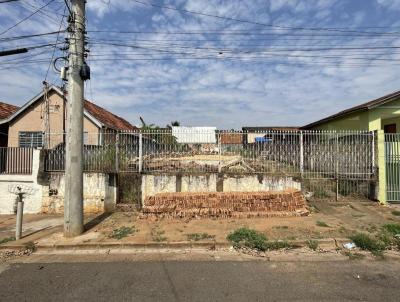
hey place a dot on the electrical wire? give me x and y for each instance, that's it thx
(8, 39)
(26, 18)
(55, 47)
(250, 22)
(251, 33)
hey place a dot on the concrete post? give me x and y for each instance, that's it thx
(382, 167)
(73, 203)
(20, 215)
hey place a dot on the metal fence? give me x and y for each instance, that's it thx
(307, 154)
(392, 159)
(327, 163)
(16, 160)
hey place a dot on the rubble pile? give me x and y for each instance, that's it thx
(226, 204)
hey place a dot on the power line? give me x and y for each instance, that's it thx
(30, 36)
(26, 18)
(55, 47)
(252, 33)
(281, 49)
(248, 21)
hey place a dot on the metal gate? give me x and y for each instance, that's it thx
(392, 159)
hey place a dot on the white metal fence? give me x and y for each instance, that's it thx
(346, 155)
(392, 159)
(327, 163)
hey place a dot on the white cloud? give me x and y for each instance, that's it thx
(390, 4)
(279, 89)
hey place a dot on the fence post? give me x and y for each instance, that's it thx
(117, 153)
(337, 166)
(140, 152)
(301, 155)
(373, 152)
(219, 153)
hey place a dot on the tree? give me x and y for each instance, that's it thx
(174, 124)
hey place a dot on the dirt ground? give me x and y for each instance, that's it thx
(327, 220)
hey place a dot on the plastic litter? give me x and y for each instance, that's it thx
(349, 245)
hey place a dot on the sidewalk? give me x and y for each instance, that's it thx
(330, 224)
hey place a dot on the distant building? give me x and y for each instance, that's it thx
(195, 135)
(25, 126)
(259, 134)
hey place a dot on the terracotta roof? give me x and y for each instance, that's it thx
(364, 106)
(231, 138)
(6, 110)
(107, 118)
(272, 128)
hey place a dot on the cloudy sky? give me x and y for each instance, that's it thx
(261, 63)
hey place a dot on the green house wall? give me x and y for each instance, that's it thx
(373, 119)
(366, 120)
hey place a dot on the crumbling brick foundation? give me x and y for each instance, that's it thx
(226, 205)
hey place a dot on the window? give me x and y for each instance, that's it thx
(391, 128)
(29, 139)
(86, 138)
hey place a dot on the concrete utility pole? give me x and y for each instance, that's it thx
(73, 203)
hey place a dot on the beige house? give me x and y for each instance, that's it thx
(42, 124)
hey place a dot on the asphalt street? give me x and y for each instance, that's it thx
(201, 281)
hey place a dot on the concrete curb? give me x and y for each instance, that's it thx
(150, 245)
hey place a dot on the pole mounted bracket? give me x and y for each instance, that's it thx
(85, 72)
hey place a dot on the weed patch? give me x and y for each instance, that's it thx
(320, 193)
(354, 256)
(30, 246)
(248, 238)
(8, 239)
(279, 245)
(396, 213)
(157, 234)
(122, 232)
(253, 239)
(199, 236)
(281, 227)
(368, 243)
(392, 228)
(322, 224)
(312, 244)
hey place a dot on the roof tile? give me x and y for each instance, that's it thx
(109, 119)
(6, 110)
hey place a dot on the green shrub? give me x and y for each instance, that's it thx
(245, 237)
(368, 243)
(312, 244)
